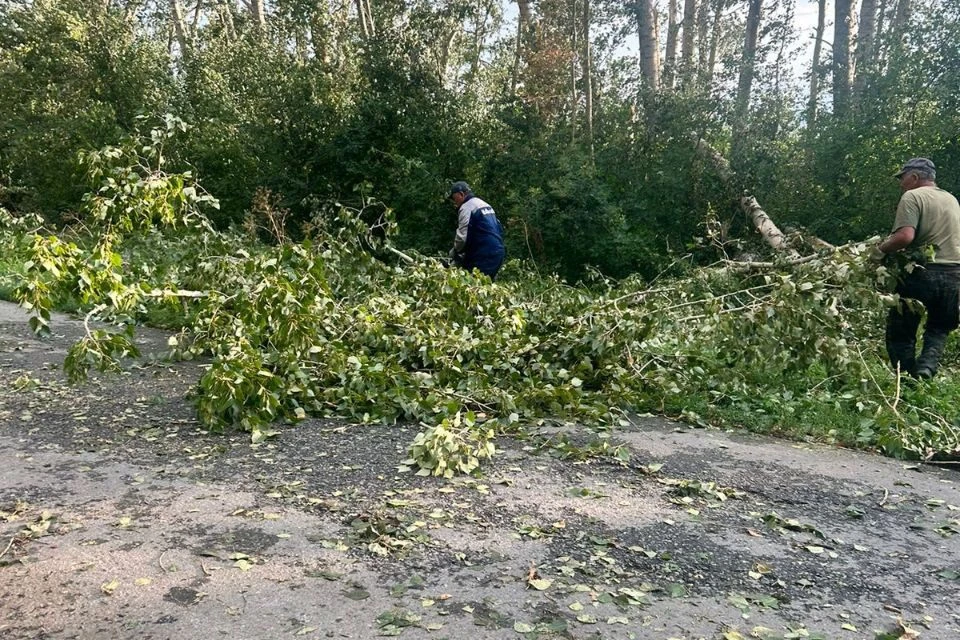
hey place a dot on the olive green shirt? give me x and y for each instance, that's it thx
(935, 214)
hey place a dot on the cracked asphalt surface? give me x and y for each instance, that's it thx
(121, 518)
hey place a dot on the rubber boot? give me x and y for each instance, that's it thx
(902, 355)
(929, 360)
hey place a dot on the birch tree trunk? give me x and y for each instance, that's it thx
(843, 17)
(257, 13)
(815, 67)
(649, 46)
(670, 57)
(902, 15)
(879, 38)
(365, 18)
(320, 31)
(478, 43)
(588, 73)
(524, 35)
(225, 12)
(762, 222)
(767, 229)
(893, 39)
(866, 37)
(197, 10)
(744, 86)
(714, 42)
(574, 94)
(373, 24)
(703, 30)
(686, 45)
(179, 25)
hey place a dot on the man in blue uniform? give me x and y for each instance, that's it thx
(479, 240)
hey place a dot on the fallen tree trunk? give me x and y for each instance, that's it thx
(762, 222)
(768, 230)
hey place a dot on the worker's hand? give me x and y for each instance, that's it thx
(874, 254)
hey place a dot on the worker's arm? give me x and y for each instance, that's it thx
(463, 223)
(899, 239)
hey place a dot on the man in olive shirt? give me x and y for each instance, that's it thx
(926, 216)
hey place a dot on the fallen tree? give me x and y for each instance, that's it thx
(324, 328)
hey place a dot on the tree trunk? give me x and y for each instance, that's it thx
(373, 24)
(300, 43)
(478, 43)
(524, 37)
(686, 45)
(225, 11)
(257, 13)
(670, 58)
(366, 19)
(649, 46)
(866, 37)
(767, 229)
(902, 15)
(744, 86)
(703, 29)
(841, 58)
(574, 94)
(588, 73)
(179, 25)
(815, 67)
(893, 39)
(714, 42)
(762, 222)
(878, 38)
(320, 31)
(444, 59)
(196, 22)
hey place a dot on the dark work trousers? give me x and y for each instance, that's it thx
(937, 287)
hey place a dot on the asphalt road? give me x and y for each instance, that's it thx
(120, 518)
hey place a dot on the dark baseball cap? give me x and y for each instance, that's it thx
(917, 164)
(459, 187)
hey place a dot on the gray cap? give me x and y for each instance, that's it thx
(924, 165)
(459, 187)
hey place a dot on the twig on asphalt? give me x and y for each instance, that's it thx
(10, 544)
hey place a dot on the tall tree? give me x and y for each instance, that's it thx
(866, 37)
(902, 15)
(225, 14)
(843, 18)
(703, 48)
(649, 46)
(670, 57)
(588, 73)
(815, 68)
(525, 38)
(747, 64)
(320, 31)
(365, 16)
(714, 42)
(179, 24)
(686, 45)
(257, 13)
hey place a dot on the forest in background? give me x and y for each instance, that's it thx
(575, 118)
